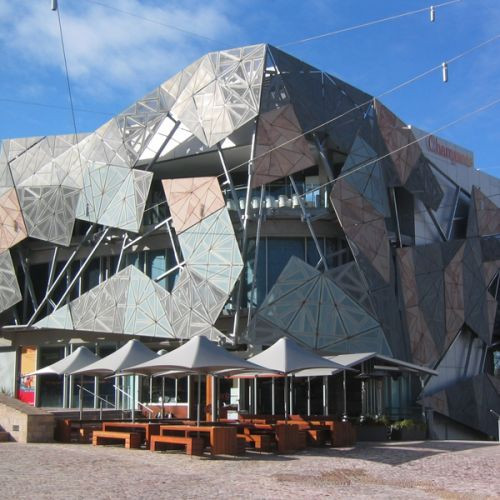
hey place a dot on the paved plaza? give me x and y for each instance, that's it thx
(433, 469)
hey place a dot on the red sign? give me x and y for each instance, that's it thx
(455, 156)
(26, 391)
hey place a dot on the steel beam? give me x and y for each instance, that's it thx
(230, 182)
(27, 278)
(163, 144)
(393, 193)
(59, 276)
(244, 245)
(82, 268)
(452, 218)
(308, 222)
(53, 264)
(257, 247)
(323, 158)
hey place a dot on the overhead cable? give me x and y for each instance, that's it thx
(369, 23)
(159, 23)
(365, 103)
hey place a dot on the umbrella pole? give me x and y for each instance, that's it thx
(133, 398)
(273, 396)
(255, 409)
(198, 409)
(308, 396)
(80, 397)
(344, 386)
(214, 398)
(163, 397)
(286, 397)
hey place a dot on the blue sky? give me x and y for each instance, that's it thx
(115, 58)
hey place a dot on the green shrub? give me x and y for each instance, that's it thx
(408, 423)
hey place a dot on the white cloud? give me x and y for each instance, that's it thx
(106, 49)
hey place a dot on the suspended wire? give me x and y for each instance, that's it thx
(55, 106)
(160, 23)
(367, 24)
(363, 104)
(69, 88)
(70, 95)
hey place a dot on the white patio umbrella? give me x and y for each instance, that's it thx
(78, 359)
(198, 355)
(132, 353)
(287, 357)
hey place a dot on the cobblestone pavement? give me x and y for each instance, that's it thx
(432, 469)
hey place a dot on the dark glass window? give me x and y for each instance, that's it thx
(50, 388)
(279, 252)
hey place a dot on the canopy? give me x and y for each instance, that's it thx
(285, 356)
(350, 360)
(132, 353)
(78, 359)
(198, 355)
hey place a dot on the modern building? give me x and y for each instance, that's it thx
(249, 197)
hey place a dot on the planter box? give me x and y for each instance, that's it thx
(372, 433)
(343, 434)
(412, 434)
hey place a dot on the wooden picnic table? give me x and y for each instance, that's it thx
(288, 437)
(147, 428)
(223, 440)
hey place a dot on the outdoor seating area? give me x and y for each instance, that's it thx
(207, 432)
(261, 433)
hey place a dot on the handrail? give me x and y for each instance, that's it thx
(493, 412)
(130, 397)
(95, 395)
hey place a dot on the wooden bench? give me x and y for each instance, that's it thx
(261, 442)
(193, 445)
(316, 434)
(131, 439)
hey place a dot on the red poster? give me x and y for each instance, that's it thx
(27, 384)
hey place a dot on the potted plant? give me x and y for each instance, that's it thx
(373, 428)
(408, 430)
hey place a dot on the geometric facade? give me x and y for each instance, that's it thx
(211, 250)
(276, 156)
(312, 307)
(219, 93)
(9, 289)
(387, 240)
(191, 200)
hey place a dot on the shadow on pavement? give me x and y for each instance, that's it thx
(393, 453)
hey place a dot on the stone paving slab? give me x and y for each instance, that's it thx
(431, 469)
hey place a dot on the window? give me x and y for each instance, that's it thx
(279, 251)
